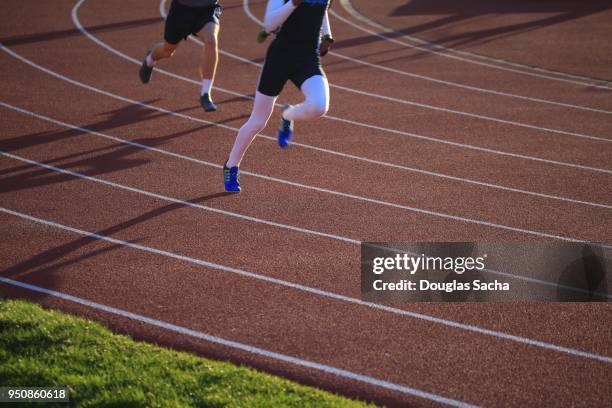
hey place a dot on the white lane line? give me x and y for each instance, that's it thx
(350, 196)
(228, 343)
(324, 293)
(238, 215)
(455, 84)
(459, 179)
(473, 115)
(437, 48)
(473, 88)
(320, 189)
(172, 199)
(392, 131)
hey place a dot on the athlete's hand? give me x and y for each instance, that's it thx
(261, 36)
(297, 2)
(326, 43)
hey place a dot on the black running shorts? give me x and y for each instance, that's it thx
(184, 20)
(284, 63)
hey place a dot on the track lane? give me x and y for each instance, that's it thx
(308, 160)
(477, 314)
(90, 164)
(409, 335)
(48, 136)
(266, 307)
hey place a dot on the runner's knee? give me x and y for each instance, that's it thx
(255, 125)
(316, 109)
(210, 40)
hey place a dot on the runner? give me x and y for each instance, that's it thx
(293, 55)
(197, 17)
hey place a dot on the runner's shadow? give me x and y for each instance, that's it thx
(457, 13)
(63, 34)
(45, 268)
(108, 159)
(124, 116)
(589, 274)
(117, 118)
(114, 161)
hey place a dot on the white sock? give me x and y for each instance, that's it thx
(150, 60)
(206, 86)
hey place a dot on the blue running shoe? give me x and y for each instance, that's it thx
(285, 130)
(231, 177)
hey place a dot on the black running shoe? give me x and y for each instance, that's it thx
(207, 103)
(145, 70)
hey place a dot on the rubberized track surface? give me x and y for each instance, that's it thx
(417, 146)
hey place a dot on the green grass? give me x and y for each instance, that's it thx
(46, 348)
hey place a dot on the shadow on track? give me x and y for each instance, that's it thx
(588, 273)
(107, 159)
(451, 12)
(62, 34)
(44, 269)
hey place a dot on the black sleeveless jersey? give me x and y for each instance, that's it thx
(302, 29)
(198, 3)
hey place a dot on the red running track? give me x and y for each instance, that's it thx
(414, 148)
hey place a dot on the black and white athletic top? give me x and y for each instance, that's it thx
(302, 29)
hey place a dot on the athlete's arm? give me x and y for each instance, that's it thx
(326, 27)
(277, 12)
(326, 40)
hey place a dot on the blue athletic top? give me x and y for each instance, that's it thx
(302, 29)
